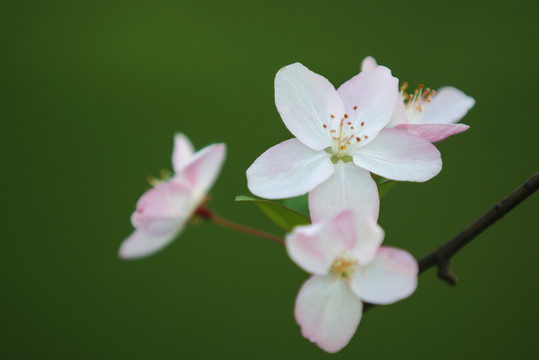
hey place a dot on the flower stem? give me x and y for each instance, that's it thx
(210, 215)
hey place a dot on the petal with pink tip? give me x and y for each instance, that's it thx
(368, 63)
(391, 276)
(397, 155)
(327, 312)
(315, 247)
(306, 102)
(163, 208)
(141, 244)
(433, 132)
(447, 106)
(370, 99)
(288, 169)
(204, 168)
(182, 153)
(349, 188)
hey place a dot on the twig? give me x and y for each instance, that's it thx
(442, 256)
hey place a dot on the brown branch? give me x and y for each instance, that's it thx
(441, 257)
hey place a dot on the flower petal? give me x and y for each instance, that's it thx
(204, 169)
(306, 101)
(397, 155)
(141, 244)
(327, 312)
(350, 187)
(447, 106)
(368, 63)
(182, 153)
(389, 277)
(288, 169)
(163, 208)
(433, 132)
(370, 99)
(315, 247)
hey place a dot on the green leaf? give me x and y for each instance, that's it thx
(282, 216)
(299, 204)
(384, 187)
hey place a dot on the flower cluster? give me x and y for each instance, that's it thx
(369, 128)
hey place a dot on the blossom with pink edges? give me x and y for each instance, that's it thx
(433, 115)
(349, 267)
(163, 211)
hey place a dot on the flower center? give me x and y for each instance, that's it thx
(414, 102)
(344, 134)
(343, 267)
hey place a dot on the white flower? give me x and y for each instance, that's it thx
(340, 138)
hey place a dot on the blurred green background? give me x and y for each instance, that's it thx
(92, 93)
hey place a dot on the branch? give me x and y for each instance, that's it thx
(442, 256)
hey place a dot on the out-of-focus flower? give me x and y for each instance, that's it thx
(340, 138)
(162, 211)
(427, 113)
(349, 267)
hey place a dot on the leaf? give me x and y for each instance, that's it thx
(384, 187)
(282, 216)
(299, 204)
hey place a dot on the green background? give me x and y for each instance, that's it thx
(92, 93)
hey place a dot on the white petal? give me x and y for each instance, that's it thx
(369, 235)
(315, 247)
(374, 93)
(397, 155)
(368, 63)
(306, 102)
(447, 106)
(389, 277)
(204, 168)
(349, 188)
(399, 117)
(433, 132)
(327, 312)
(182, 153)
(141, 244)
(288, 169)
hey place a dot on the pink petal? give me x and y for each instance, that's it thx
(350, 187)
(288, 169)
(182, 153)
(391, 276)
(397, 155)
(433, 132)
(327, 312)
(306, 102)
(368, 63)
(141, 244)
(447, 106)
(374, 95)
(204, 168)
(315, 247)
(163, 208)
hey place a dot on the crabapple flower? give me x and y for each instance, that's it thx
(348, 266)
(340, 138)
(162, 211)
(433, 115)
